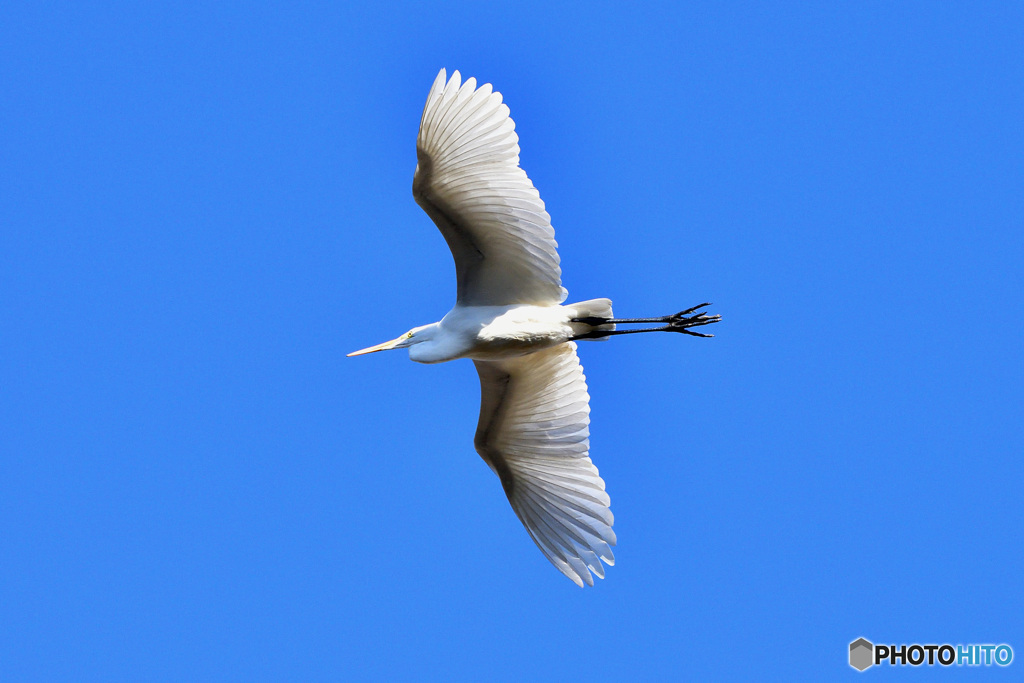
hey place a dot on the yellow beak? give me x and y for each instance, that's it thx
(380, 347)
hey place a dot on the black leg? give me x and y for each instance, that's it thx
(663, 319)
(679, 322)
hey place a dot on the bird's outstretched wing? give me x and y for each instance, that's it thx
(469, 182)
(534, 434)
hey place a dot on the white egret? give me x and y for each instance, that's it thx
(508, 317)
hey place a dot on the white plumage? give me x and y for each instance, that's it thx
(534, 414)
(534, 433)
(469, 181)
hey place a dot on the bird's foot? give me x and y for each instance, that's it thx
(683, 321)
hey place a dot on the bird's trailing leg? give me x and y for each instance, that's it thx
(679, 322)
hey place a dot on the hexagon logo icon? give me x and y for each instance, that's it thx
(861, 654)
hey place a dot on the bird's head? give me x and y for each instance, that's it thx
(413, 336)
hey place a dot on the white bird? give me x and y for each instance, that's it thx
(534, 414)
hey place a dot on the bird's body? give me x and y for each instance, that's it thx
(490, 333)
(533, 429)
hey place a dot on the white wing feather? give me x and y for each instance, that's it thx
(469, 182)
(534, 433)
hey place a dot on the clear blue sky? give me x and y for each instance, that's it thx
(203, 208)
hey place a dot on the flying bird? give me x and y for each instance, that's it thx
(509, 319)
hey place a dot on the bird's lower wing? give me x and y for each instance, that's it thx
(469, 182)
(534, 433)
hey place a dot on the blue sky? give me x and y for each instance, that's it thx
(204, 206)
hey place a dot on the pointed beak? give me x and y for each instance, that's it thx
(380, 347)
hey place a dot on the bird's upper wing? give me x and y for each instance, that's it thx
(534, 434)
(469, 182)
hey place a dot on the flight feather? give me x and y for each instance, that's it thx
(534, 433)
(469, 182)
